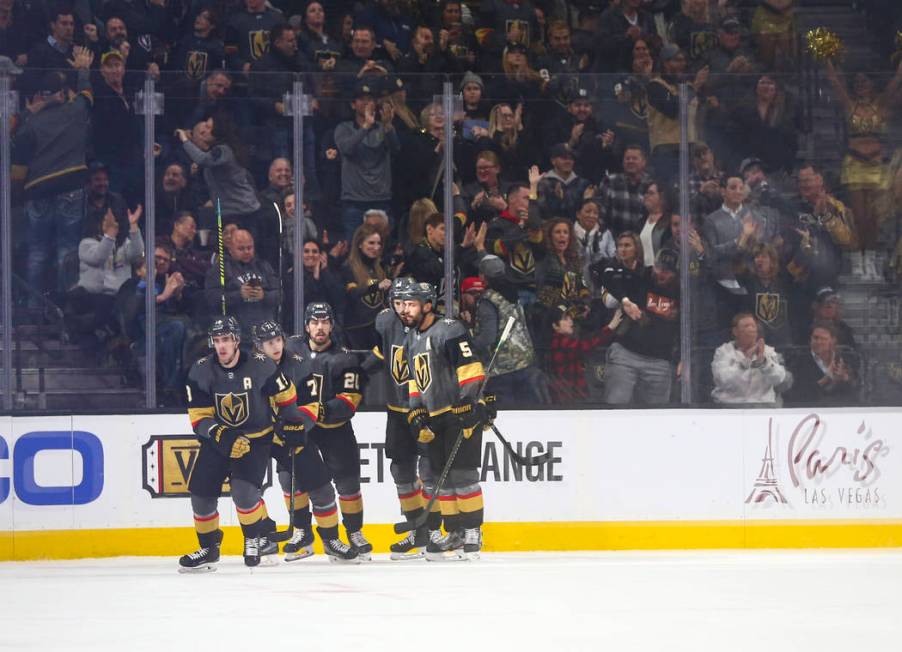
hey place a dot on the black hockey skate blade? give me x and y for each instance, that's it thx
(297, 556)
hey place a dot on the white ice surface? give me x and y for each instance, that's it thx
(810, 601)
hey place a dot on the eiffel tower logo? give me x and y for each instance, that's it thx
(766, 488)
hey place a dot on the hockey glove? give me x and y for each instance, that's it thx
(470, 415)
(229, 441)
(491, 410)
(293, 434)
(418, 420)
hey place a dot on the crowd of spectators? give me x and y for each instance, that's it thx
(565, 158)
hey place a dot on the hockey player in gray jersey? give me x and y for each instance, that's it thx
(231, 399)
(333, 379)
(401, 446)
(313, 482)
(445, 380)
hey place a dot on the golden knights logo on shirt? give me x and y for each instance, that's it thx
(373, 298)
(196, 65)
(400, 372)
(232, 408)
(522, 259)
(768, 307)
(422, 371)
(259, 42)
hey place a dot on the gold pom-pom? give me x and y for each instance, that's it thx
(824, 45)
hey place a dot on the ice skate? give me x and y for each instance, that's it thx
(472, 543)
(203, 560)
(413, 546)
(361, 546)
(445, 548)
(340, 552)
(300, 546)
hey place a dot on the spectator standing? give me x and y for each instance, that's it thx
(692, 30)
(366, 148)
(211, 147)
(824, 227)
(513, 144)
(187, 260)
(366, 286)
(117, 130)
(619, 27)
(247, 35)
(51, 142)
(568, 352)
(640, 361)
(99, 199)
(54, 52)
(485, 196)
(594, 240)
(197, 54)
(746, 370)
(424, 66)
(654, 229)
(730, 233)
(321, 283)
(561, 189)
(559, 278)
(768, 126)
(621, 195)
(174, 195)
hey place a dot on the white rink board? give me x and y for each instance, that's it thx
(611, 465)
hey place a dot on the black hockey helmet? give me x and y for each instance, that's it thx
(266, 331)
(318, 310)
(400, 288)
(424, 292)
(225, 325)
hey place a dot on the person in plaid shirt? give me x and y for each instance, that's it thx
(567, 355)
(621, 194)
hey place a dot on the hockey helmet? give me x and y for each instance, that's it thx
(318, 310)
(424, 292)
(400, 288)
(225, 325)
(266, 331)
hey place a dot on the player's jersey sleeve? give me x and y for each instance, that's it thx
(462, 356)
(201, 406)
(346, 377)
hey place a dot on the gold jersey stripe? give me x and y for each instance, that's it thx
(470, 372)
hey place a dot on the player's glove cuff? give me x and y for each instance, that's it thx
(293, 434)
(223, 439)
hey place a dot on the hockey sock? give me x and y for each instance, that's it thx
(469, 503)
(325, 511)
(250, 507)
(351, 511)
(450, 514)
(207, 528)
(411, 499)
(434, 520)
(301, 516)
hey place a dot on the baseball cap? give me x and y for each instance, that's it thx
(472, 284)
(730, 24)
(670, 51)
(826, 294)
(111, 54)
(364, 87)
(492, 266)
(749, 162)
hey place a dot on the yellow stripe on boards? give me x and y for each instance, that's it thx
(498, 537)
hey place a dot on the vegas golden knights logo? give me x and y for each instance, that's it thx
(423, 371)
(259, 42)
(522, 259)
(232, 408)
(374, 298)
(196, 65)
(767, 307)
(400, 372)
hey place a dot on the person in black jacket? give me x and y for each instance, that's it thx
(822, 375)
(117, 129)
(52, 53)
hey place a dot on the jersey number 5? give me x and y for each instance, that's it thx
(465, 349)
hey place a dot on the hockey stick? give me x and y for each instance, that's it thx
(286, 534)
(221, 257)
(538, 460)
(281, 269)
(407, 526)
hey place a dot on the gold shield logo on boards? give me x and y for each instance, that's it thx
(167, 464)
(259, 41)
(232, 408)
(400, 373)
(196, 64)
(422, 370)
